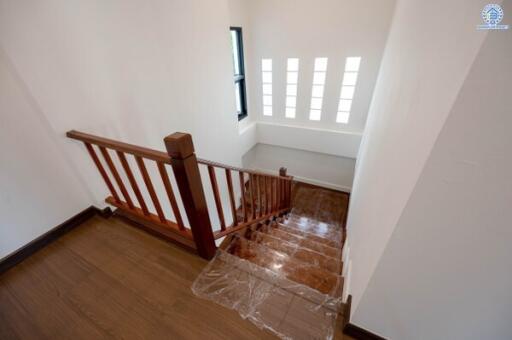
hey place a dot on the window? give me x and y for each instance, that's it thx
(317, 92)
(266, 80)
(292, 76)
(348, 88)
(239, 71)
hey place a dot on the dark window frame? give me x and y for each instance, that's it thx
(240, 78)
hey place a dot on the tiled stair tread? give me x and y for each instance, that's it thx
(295, 251)
(228, 275)
(333, 240)
(319, 226)
(282, 264)
(302, 242)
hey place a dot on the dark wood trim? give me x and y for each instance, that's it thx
(360, 333)
(355, 331)
(167, 230)
(24, 252)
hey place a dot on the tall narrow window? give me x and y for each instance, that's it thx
(347, 89)
(266, 77)
(239, 71)
(292, 76)
(317, 92)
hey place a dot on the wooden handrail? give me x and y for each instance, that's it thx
(247, 171)
(263, 196)
(120, 146)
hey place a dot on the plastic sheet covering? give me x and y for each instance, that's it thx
(319, 204)
(272, 290)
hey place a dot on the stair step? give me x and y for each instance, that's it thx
(334, 241)
(295, 251)
(320, 229)
(301, 241)
(295, 270)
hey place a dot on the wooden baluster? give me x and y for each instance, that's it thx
(263, 196)
(252, 180)
(170, 194)
(102, 172)
(151, 189)
(242, 192)
(282, 173)
(267, 195)
(260, 199)
(273, 183)
(278, 193)
(290, 183)
(133, 182)
(216, 196)
(231, 196)
(186, 171)
(118, 179)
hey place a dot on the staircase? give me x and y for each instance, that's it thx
(279, 264)
(284, 275)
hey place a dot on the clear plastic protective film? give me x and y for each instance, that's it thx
(268, 294)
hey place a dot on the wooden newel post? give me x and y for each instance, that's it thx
(186, 170)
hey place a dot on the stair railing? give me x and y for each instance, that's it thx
(261, 196)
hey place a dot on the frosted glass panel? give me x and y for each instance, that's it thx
(314, 115)
(352, 64)
(347, 92)
(319, 78)
(350, 78)
(342, 117)
(293, 64)
(266, 64)
(291, 90)
(321, 64)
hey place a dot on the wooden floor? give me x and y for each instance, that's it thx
(106, 279)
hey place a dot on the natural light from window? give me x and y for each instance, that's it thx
(266, 74)
(317, 92)
(292, 76)
(347, 89)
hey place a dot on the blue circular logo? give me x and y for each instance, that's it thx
(492, 14)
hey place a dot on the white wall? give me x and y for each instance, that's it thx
(430, 209)
(445, 273)
(310, 167)
(129, 70)
(38, 187)
(423, 68)
(306, 29)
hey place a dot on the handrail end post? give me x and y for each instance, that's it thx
(186, 171)
(282, 171)
(179, 145)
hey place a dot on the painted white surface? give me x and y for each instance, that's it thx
(38, 188)
(310, 167)
(427, 57)
(304, 29)
(331, 142)
(133, 71)
(445, 273)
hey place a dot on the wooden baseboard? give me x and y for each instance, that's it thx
(355, 331)
(19, 255)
